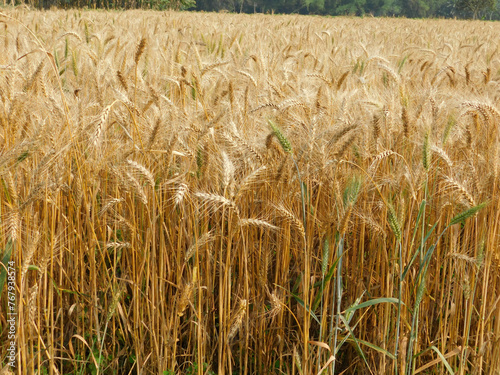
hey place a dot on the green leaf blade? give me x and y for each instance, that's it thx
(372, 302)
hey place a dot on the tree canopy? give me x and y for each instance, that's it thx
(485, 9)
(482, 9)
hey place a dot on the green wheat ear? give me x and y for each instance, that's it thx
(281, 138)
(464, 215)
(426, 155)
(351, 191)
(393, 221)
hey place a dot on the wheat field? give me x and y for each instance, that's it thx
(189, 193)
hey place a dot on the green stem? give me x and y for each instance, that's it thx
(398, 321)
(339, 297)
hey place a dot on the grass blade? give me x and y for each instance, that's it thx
(407, 268)
(373, 302)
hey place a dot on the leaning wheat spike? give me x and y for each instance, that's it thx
(143, 171)
(467, 213)
(419, 110)
(496, 162)
(33, 293)
(391, 72)
(297, 360)
(56, 107)
(44, 165)
(339, 134)
(169, 149)
(257, 223)
(393, 222)
(452, 184)
(35, 194)
(115, 300)
(463, 257)
(29, 254)
(137, 188)
(228, 170)
(241, 142)
(41, 86)
(112, 202)
(292, 219)
(13, 223)
(230, 91)
(271, 145)
(155, 96)
(97, 136)
(341, 151)
(154, 134)
(426, 155)
(169, 102)
(236, 320)
(282, 169)
(196, 83)
(180, 194)
(291, 103)
(264, 262)
(281, 138)
(487, 75)
(475, 182)
(216, 201)
(372, 224)
(466, 286)
(443, 155)
(34, 76)
(276, 304)
(406, 121)
(484, 109)
(203, 240)
(250, 180)
(245, 100)
(376, 121)
(467, 74)
(185, 298)
(122, 80)
(342, 79)
(343, 223)
(14, 198)
(275, 89)
(317, 102)
(451, 78)
(248, 75)
(476, 109)
(118, 245)
(435, 109)
(378, 58)
(267, 105)
(140, 50)
(212, 66)
(320, 76)
(468, 132)
(73, 34)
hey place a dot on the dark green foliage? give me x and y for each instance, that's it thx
(352, 7)
(475, 7)
(489, 9)
(111, 4)
(406, 8)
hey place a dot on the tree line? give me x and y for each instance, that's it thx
(482, 9)
(487, 9)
